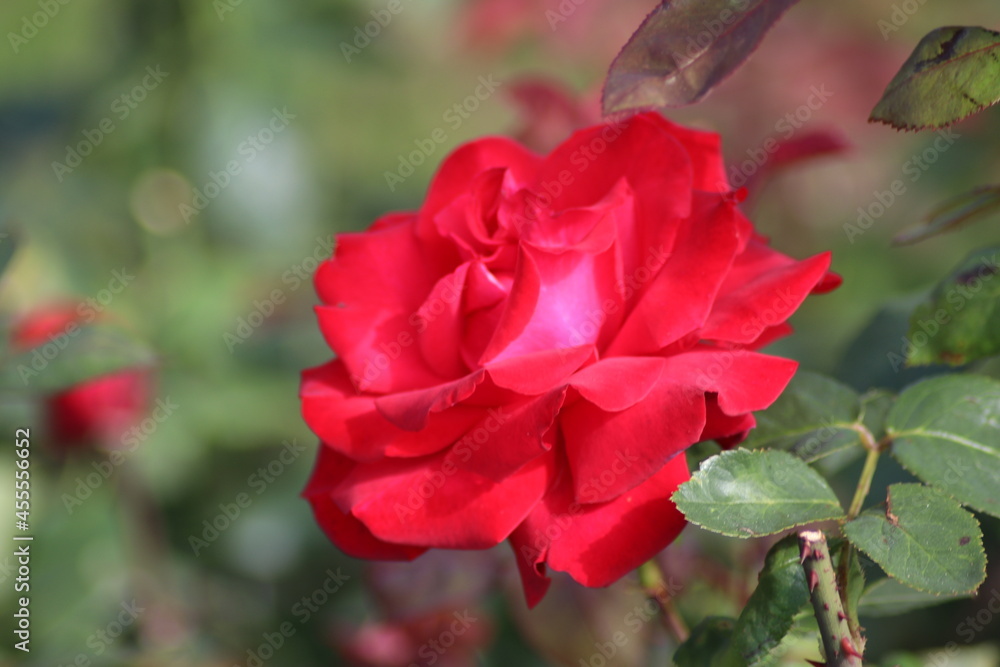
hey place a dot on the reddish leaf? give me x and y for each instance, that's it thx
(685, 48)
(795, 150)
(549, 112)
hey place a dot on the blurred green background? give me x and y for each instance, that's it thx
(163, 95)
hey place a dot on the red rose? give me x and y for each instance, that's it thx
(98, 411)
(526, 356)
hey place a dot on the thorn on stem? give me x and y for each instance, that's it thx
(849, 649)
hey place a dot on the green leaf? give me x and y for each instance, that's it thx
(813, 418)
(855, 585)
(875, 406)
(946, 431)
(953, 73)
(960, 322)
(888, 597)
(685, 48)
(708, 645)
(744, 493)
(924, 539)
(71, 357)
(770, 613)
(953, 214)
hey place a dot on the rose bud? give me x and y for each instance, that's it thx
(98, 411)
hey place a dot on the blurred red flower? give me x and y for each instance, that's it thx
(98, 411)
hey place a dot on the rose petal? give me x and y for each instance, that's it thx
(537, 372)
(763, 289)
(728, 430)
(458, 171)
(610, 453)
(410, 410)
(574, 305)
(511, 436)
(744, 381)
(680, 297)
(599, 544)
(351, 424)
(439, 324)
(616, 383)
(431, 502)
(705, 151)
(345, 531)
(367, 321)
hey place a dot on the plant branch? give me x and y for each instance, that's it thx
(651, 578)
(867, 473)
(838, 647)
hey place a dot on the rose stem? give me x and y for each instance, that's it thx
(651, 578)
(833, 627)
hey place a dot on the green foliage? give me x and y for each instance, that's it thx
(953, 73)
(744, 493)
(888, 597)
(708, 644)
(946, 431)
(815, 417)
(855, 583)
(961, 320)
(924, 539)
(770, 613)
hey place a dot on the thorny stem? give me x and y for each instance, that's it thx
(838, 646)
(651, 578)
